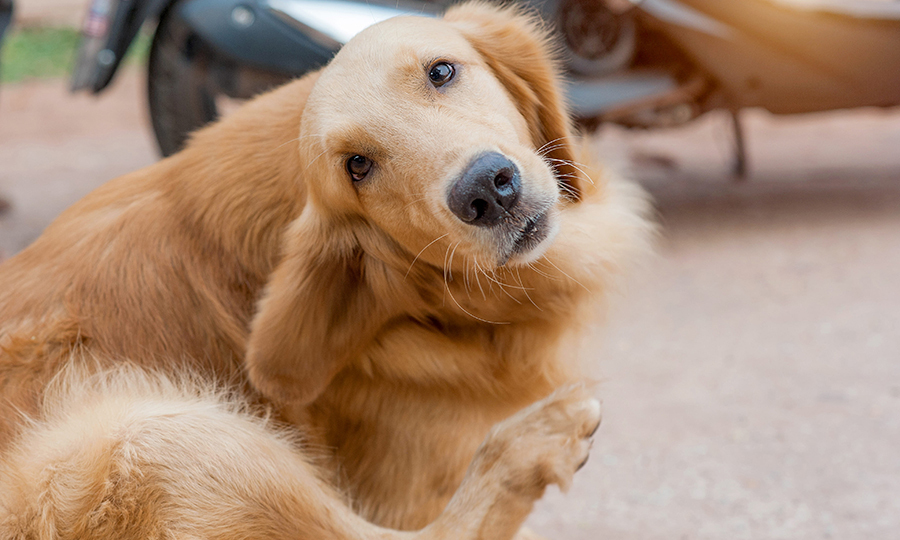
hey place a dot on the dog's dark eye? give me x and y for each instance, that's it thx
(358, 167)
(441, 73)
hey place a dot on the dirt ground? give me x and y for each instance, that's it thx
(751, 371)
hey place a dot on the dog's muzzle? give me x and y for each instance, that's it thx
(487, 190)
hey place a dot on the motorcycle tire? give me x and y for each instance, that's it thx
(180, 90)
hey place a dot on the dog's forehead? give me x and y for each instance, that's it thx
(393, 51)
(383, 71)
(423, 36)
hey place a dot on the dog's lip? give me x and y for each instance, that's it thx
(533, 231)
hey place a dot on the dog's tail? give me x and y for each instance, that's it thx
(129, 453)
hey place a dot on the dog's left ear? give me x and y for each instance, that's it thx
(318, 311)
(518, 50)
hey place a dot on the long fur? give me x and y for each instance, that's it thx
(364, 315)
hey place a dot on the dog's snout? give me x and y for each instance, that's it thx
(488, 188)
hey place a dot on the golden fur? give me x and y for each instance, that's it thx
(364, 313)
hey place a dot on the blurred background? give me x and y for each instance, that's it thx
(751, 369)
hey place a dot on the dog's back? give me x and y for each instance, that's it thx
(161, 266)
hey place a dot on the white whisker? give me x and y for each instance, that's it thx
(574, 165)
(296, 139)
(534, 269)
(308, 165)
(420, 253)
(546, 152)
(446, 285)
(466, 281)
(565, 274)
(414, 202)
(450, 265)
(548, 143)
(447, 288)
(525, 290)
(478, 281)
(503, 286)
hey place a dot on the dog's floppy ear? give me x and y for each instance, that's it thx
(518, 50)
(316, 313)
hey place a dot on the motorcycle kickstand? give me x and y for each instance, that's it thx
(739, 166)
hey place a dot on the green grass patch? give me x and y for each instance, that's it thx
(42, 53)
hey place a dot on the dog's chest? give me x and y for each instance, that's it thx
(400, 452)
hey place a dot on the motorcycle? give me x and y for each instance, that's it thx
(637, 63)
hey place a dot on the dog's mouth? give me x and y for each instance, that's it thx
(526, 238)
(531, 234)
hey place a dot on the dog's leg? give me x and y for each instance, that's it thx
(148, 459)
(543, 444)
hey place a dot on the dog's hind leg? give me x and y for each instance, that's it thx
(141, 457)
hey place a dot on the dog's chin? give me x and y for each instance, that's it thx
(530, 241)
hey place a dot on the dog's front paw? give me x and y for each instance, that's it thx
(543, 444)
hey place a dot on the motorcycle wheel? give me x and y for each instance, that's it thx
(180, 90)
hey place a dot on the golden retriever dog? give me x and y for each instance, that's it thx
(342, 312)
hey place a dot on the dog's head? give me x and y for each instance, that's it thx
(448, 131)
(440, 142)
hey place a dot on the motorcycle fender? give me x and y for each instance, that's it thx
(251, 34)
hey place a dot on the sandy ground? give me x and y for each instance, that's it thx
(50, 12)
(56, 147)
(751, 372)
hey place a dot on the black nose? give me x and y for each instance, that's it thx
(487, 189)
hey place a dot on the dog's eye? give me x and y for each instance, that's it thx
(358, 167)
(441, 73)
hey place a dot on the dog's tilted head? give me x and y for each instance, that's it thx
(444, 133)
(429, 147)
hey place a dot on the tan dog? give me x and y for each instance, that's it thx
(389, 254)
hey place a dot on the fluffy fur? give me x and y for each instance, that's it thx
(364, 314)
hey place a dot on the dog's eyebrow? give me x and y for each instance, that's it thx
(352, 140)
(412, 72)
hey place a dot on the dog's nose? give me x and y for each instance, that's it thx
(487, 189)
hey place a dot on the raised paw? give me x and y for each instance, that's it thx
(543, 444)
